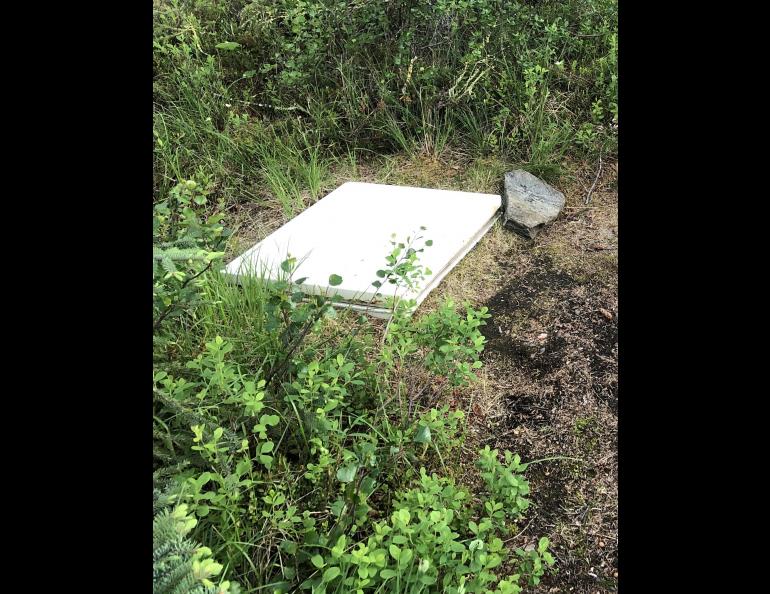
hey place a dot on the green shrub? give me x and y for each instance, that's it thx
(179, 565)
(454, 342)
(185, 246)
(278, 436)
(518, 79)
(429, 544)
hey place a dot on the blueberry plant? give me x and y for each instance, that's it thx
(299, 456)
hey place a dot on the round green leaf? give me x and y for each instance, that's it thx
(318, 561)
(288, 264)
(331, 573)
(335, 280)
(346, 474)
(423, 435)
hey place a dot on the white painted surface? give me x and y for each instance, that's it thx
(348, 233)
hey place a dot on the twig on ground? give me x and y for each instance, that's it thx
(602, 535)
(522, 530)
(593, 185)
(607, 457)
(555, 458)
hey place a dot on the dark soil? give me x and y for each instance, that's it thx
(551, 357)
(562, 402)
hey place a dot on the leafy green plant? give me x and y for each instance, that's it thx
(454, 342)
(403, 266)
(505, 484)
(318, 395)
(535, 561)
(429, 544)
(185, 246)
(179, 565)
(438, 428)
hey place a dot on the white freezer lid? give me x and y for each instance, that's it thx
(349, 231)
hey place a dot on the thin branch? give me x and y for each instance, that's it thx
(279, 369)
(598, 173)
(521, 531)
(171, 307)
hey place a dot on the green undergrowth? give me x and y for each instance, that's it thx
(263, 96)
(306, 448)
(298, 447)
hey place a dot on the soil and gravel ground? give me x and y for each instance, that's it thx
(549, 385)
(550, 382)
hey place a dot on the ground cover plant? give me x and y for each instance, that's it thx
(288, 467)
(298, 447)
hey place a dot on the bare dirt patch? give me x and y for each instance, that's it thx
(551, 366)
(549, 387)
(552, 352)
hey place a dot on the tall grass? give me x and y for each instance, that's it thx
(292, 168)
(527, 82)
(237, 311)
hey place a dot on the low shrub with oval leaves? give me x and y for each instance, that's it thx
(308, 458)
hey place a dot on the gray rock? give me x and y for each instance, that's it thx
(529, 203)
